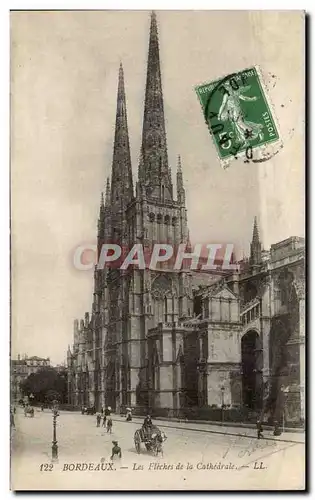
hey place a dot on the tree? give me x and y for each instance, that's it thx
(46, 385)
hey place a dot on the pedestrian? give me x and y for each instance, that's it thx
(104, 421)
(12, 419)
(98, 419)
(147, 426)
(277, 431)
(109, 425)
(116, 450)
(259, 429)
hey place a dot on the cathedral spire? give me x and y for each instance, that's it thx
(141, 172)
(255, 232)
(107, 193)
(179, 171)
(107, 213)
(179, 182)
(100, 224)
(154, 149)
(255, 247)
(122, 185)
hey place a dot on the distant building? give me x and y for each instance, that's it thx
(60, 368)
(21, 368)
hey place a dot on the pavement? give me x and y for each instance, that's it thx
(247, 430)
(195, 456)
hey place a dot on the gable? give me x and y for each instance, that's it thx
(224, 293)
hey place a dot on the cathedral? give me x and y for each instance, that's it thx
(181, 342)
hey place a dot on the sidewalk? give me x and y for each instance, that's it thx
(245, 430)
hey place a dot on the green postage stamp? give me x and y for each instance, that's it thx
(238, 116)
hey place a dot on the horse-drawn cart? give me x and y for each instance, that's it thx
(152, 438)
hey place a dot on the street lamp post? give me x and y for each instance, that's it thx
(54, 448)
(222, 403)
(285, 400)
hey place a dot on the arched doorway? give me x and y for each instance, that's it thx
(252, 381)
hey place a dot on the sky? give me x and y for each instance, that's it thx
(64, 74)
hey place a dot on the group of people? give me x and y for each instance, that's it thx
(105, 417)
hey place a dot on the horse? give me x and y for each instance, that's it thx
(157, 442)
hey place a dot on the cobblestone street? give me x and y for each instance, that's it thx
(205, 448)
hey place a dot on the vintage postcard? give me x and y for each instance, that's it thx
(158, 297)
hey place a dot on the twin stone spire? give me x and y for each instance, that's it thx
(154, 173)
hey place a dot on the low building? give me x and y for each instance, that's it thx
(21, 368)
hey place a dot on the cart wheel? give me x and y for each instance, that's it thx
(137, 445)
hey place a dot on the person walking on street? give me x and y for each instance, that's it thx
(116, 450)
(98, 419)
(259, 429)
(109, 425)
(277, 430)
(12, 423)
(104, 420)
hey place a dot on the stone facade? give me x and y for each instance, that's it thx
(251, 333)
(167, 340)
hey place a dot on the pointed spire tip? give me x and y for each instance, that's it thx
(179, 163)
(255, 230)
(153, 27)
